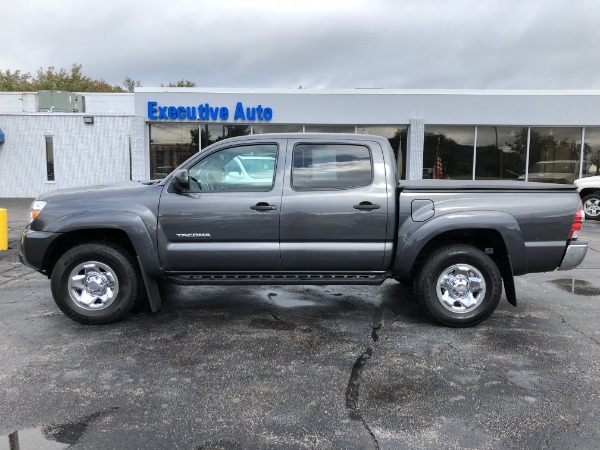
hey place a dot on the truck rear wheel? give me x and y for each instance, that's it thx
(95, 283)
(459, 285)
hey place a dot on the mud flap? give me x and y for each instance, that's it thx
(509, 280)
(151, 288)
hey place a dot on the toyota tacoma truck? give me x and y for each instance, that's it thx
(297, 209)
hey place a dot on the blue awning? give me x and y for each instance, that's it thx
(1, 136)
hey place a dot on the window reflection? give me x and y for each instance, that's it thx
(170, 145)
(243, 168)
(330, 166)
(330, 128)
(501, 153)
(211, 133)
(397, 136)
(554, 154)
(591, 152)
(448, 152)
(261, 129)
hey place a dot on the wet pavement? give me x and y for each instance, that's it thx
(301, 367)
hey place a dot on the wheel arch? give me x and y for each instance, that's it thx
(67, 241)
(498, 232)
(587, 191)
(124, 228)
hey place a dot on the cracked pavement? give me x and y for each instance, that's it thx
(323, 367)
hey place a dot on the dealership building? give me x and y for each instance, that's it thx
(55, 140)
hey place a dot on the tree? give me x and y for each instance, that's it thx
(51, 79)
(130, 84)
(183, 83)
(14, 81)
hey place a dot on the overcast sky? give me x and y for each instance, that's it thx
(476, 44)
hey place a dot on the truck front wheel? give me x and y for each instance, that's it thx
(95, 283)
(459, 285)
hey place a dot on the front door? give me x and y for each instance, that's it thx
(229, 218)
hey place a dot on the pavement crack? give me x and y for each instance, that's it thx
(352, 393)
(563, 320)
(377, 324)
(374, 334)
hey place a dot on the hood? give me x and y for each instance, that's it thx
(93, 191)
(588, 182)
(138, 198)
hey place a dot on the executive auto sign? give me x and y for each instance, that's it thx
(206, 112)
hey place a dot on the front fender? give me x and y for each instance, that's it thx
(141, 233)
(411, 239)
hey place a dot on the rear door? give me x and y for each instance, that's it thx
(334, 213)
(229, 219)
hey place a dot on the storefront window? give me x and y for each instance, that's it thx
(501, 153)
(262, 129)
(212, 133)
(397, 136)
(329, 128)
(170, 145)
(591, 152)
(554, 154)
(448, 152)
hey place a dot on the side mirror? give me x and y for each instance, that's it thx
(181, 180)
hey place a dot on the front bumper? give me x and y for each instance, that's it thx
(34, 247)
(574, 255)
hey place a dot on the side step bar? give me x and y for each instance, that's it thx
(299, 278)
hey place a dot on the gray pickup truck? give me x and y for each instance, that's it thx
(300, 209)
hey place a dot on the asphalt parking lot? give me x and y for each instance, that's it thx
(301, 367)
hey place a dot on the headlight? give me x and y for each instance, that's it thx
(35, 208)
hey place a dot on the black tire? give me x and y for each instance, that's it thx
(110, 283)
(591, 206)
(444, 299)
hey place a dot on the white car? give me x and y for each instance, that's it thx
(589, 191)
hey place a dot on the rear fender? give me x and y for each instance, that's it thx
(411, 241)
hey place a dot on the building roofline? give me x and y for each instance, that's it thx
(370, 91)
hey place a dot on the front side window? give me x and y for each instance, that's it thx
(243, 168)
(331, 167)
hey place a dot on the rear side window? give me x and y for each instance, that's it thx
(331, 167)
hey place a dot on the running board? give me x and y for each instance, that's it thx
(371, 278)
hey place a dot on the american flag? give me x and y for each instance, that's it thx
(438, 171)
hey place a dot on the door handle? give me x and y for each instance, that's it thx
(263, 206)
(366, 206)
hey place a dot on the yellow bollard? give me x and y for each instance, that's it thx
(3, 229)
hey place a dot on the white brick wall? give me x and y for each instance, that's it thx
(83, 154)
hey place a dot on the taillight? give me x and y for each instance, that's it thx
(577, 222)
